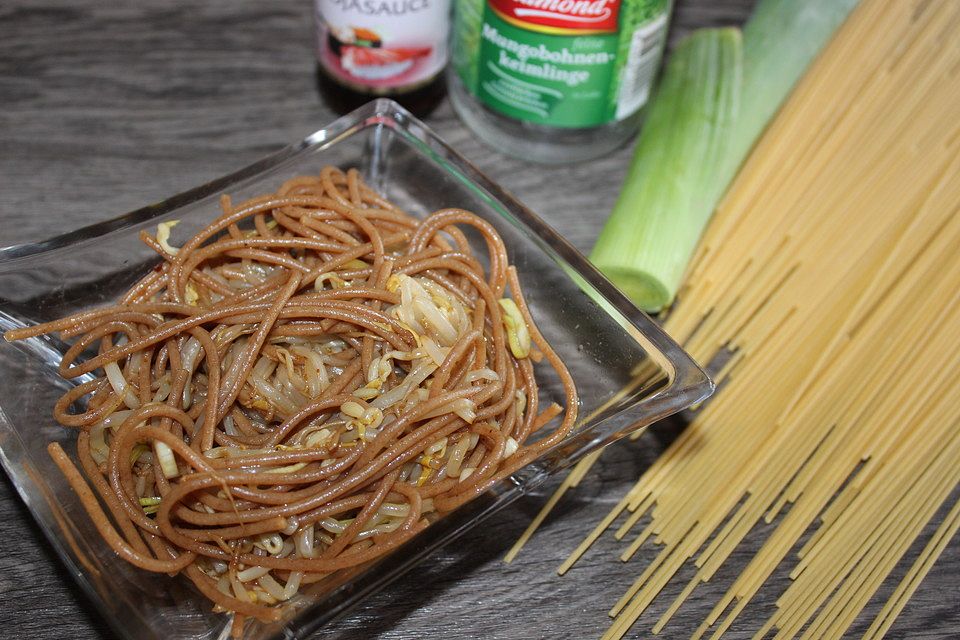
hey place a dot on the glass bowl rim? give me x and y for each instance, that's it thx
(688, 378)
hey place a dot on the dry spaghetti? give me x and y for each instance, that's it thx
(831, 276)
(300, 388)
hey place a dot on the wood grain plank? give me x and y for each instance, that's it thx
(105, 107)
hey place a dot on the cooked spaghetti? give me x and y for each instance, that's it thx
(301, 388)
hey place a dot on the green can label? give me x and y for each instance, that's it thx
(561, 63)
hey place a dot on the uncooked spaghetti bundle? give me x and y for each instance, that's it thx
(826, 291)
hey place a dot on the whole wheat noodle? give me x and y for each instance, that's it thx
(300, 388)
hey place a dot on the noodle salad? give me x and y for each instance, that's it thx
(301, 388)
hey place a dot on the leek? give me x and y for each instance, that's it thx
(780, 41)
(702, 123)
(672, 183)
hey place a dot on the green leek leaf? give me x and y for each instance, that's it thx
(672, 183)
(715, 99)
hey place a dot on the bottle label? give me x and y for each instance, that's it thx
(561, 63)
(382, 44)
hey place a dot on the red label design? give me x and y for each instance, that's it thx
(597, 16)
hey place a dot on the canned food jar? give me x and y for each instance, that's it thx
(555, 81)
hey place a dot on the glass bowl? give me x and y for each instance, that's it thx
(628, 372)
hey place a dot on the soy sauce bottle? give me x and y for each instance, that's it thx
(382, 48)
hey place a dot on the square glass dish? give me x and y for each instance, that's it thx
(627, 371)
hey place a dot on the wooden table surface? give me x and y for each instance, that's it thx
(107, 106)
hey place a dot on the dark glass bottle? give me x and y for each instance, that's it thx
(388, 48)
(340, 98)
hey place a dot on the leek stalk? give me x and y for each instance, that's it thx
(715, 99)
(672, 183)
(780, 41)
